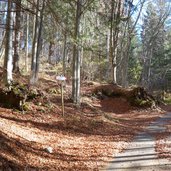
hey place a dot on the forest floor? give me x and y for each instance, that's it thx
(85, 138)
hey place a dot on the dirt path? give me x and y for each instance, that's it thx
(141, 153)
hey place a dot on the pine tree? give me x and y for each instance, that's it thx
(152, 36)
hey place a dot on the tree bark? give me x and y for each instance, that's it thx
(114, 31)
(17, 37)
(125, 63)
(76, 57)
(64, 53)
(51, 51)
(27, 41)
(8, 60)
(37, 43)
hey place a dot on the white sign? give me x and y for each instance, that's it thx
(61, 78)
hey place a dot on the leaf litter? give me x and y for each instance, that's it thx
(86, 138)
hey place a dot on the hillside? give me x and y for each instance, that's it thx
(86, 137)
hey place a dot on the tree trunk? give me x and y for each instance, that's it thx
(146, 73)
(125, 63)
(108, 46)
(27, 42)
(111, 35)
(107, 54)
(114, 57)
(114, 69)
(37, 43)
(17, 37)
(34, 45)
(2, 49)
(76, 57)
(8, 60)
(113, 41)
(51, 51)
(64, 53)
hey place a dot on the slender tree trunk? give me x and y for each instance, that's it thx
(51, 50)
(76, 57)
(37, 43)
(113, 41)
(111, 35)
(126, 61)
(64, 53)
(8, 60)
(2, 50)
(116, 10)
(114, 66)
(145, 71)
(148, 70)
(108, 46)
(17, 37)
(27, 42)
(107, 53)
(35, 34)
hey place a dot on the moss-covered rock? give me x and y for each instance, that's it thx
(16, 95)
(13, 97)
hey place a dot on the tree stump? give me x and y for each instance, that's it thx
(135, 96)
(17, 95)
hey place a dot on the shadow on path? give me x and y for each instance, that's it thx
(141, 154)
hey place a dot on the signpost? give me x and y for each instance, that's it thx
(62, 79)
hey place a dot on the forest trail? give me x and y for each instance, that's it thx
(142, 153)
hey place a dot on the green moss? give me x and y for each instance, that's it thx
(32, 94)
(54, 91)
(142, 103)
(167, 100)
(25, 107)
